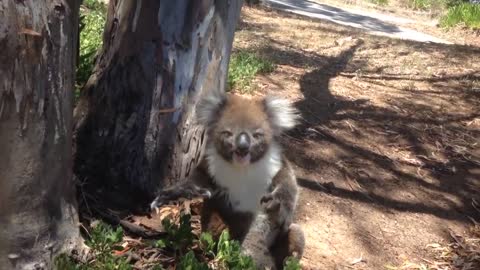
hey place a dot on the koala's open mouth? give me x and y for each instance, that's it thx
(241, 157)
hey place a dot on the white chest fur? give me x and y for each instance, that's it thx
(245, 185)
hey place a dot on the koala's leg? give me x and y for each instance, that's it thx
(261, 256)
(257, 242)
(290, 243)
(238, 223)
(211, 220)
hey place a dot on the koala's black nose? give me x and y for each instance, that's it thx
(242, 143)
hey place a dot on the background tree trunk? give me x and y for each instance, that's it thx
(134, 117)
(253, 2)
(38, 215)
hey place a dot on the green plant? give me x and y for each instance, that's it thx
(430, 5)
(63, 262)
(190, 262)
(243, 68)
(207, 244)
(464, 13)
(226, 253)
(421, 4)
(292, 264)
(95, 5)
(92, 22)
(178, 237)
(103, 239)
(229, 253)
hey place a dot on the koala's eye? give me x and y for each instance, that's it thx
(258, 135)
(226, 133)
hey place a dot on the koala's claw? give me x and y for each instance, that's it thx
(204, 193)
(154, 206)
(266, 198)
(269, 203)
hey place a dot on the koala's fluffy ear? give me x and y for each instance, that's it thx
(209, 107)
(283, 115)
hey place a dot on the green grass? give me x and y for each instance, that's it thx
(244, 66)
(379, 2)
(178, 243)
(92, 22)
(433, 6)
(464, 13)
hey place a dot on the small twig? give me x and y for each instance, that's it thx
(29, 32)
(140, 231)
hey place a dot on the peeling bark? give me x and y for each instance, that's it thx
(134, 120)
(38, 215)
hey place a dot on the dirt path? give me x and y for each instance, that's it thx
(388, 153)
(371, 22)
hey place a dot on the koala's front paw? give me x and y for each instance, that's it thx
(270, 203)
(203, 193)
(159, 201)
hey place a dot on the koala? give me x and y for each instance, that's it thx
(243, 165)
(267, 243)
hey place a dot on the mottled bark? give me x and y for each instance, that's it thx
(38, 215)
(135, 116)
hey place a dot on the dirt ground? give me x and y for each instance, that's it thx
(388, 152)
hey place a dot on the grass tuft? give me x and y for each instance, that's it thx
(465, 13)
(244, 66)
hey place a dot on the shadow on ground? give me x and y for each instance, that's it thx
(390, 129)
(419, 127)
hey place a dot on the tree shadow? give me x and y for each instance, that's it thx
(443, 176)
(441, 187)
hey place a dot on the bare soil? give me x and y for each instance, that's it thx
(388, 151)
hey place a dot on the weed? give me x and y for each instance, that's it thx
(190, 262)
(244, 66)
(464, 13)
(63, 262)
(207, 244)
(229, 253)
(103, 240)
(178, 237)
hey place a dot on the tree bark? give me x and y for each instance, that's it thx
(135, 115)
(38, 217)
(252, 2)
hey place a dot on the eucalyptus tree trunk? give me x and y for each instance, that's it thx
(134, 120)
(38, 217)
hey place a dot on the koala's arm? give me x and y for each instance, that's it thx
(284, 192)
(198, 184)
